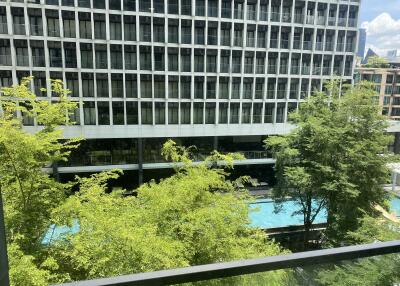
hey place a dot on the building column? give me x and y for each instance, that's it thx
(215, 143)
(140, 160)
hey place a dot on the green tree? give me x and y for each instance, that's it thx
(193, 217)
(377, 62)
(335, 159)
(29, 193)
(381, 270)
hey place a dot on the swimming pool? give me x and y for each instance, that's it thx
(263, 215)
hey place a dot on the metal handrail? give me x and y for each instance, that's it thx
(241, 267)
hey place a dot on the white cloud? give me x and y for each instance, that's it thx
(383, 33)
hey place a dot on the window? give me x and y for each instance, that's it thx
(130, 57)
(102, 85)
(147, 112)
(173, 91)
(117, 85)
(235, 88)
(198, 109)
(53, 27)
(114, 4)
(89, 113)
(173, 111)
(210, 113)
(269, 113)
(158, 32)
(101, 56)
(159, 64)
(159, 113)
(129, 28)
(173, 33)
(199, 63)
(116, 56)
(72, 83)
(87, 85)
(130, 86)
(186, 7)
(115, 27)
(172, 62)
(223, 113)
(246, 112)
(103, 112)
(145, 58)
(159, 87)
(185, 62)
(85, 27)
(145, 86)
(200, 8)
(69, 28)
(118, 112)
(185, 113)
(234, 113)
(185, 87)
(131, 112)
(199, 88)
(211, 87)
(36, 27)
(86, 56)
(99, 26)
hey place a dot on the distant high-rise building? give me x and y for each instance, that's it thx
(362, 40)
(218, 74)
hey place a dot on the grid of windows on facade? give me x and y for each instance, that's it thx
(234, 62)
(387, 87)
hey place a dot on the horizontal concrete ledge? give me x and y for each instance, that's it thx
(147, 166)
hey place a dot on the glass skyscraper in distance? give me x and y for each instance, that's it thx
(215, 73)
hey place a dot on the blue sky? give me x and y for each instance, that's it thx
(381, 18)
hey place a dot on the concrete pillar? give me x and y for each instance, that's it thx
(140, 160)
(215, 143)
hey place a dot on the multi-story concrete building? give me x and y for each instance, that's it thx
(387, 86)
(214, 73)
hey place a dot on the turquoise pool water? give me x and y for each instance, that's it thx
(263, 214)
(395, 206)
